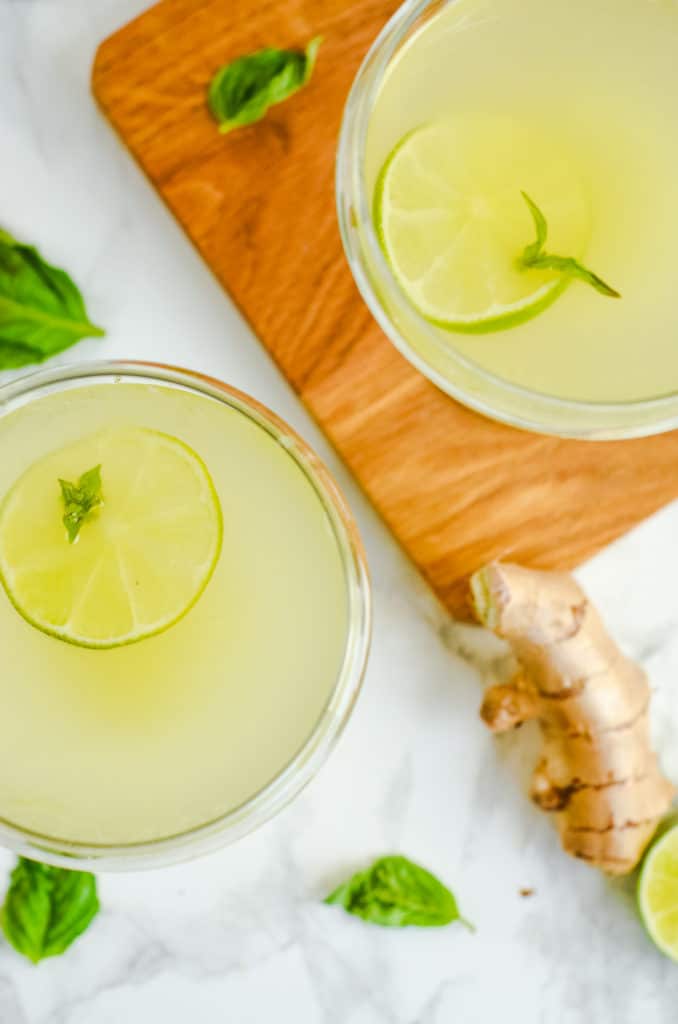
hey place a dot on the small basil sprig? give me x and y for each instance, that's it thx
(80, 500)
(41, 309)
(534, 257)
(394, 893)
(47, 908)
(241, 92)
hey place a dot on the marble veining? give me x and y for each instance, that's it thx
(242, 936)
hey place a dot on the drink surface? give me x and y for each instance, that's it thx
(598, 82)
(146, 741)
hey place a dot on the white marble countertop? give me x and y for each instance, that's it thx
(241, 936)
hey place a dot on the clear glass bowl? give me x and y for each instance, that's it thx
(295, 775)
(421, 343)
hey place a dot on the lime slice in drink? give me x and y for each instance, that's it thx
(140, 561)
(658, 893)
(453, 223)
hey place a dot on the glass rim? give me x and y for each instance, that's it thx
(304, 765)
(508, 403)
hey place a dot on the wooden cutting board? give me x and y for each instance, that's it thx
(456, 489)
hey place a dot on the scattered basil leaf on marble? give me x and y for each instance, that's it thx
(47, 908)
(394, 893)
(41, 309)
(534, 257)
(241, 92)
(80, 500)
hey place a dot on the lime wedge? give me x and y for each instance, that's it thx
(140, 561)
(453, 223)
(658, 893)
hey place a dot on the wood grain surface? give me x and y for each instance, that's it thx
(455, 488)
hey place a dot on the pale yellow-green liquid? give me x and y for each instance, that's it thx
(143, 742)
(604, 75)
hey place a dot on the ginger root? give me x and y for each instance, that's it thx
(598, 773)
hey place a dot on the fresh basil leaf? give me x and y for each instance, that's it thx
(573, 268)
(533, 250)
(241, 92)
(395, 893)
(534, 257)
(80, 500)
(47, 908)
(41, 310)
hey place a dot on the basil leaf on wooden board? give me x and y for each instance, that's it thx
(41, 309)
(47, 908)
(394, 893)
(241, 92)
